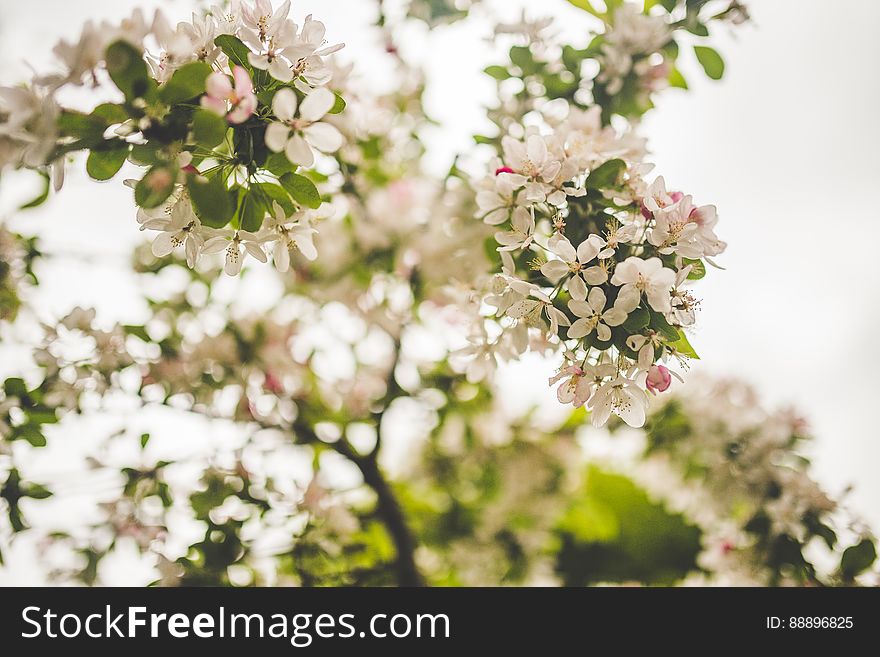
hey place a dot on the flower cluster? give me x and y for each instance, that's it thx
(734, 470)
(226, 113)
(596, 259)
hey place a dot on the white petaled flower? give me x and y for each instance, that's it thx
(290, 234)
(272, 51)
(621, 396)
(674, 232)
(308, 52)
(575, 261)
(617, 235)
(648, 277)
(523, 233)
(645, 345)
(297, 135)
(575, 388)
(237, 243)
(591, 312)
(180, 227)
(262, 20)
(683, 303)
(530, 311)
(496, 202)
(530, 158)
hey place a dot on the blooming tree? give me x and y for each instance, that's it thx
(398, 295)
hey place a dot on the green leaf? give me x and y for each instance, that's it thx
(209, 129)
(587, 6)
(278, 164)
(103, 165)
(155, 187)
(128, 70)
(606, 175)
(301, 189)
(676, 79)
(32, 434)
(40, 198)
(659, 324)
(711, 61)
(186, 82)
(145, 438)
(84, 127)
(15, 387)
(270, 192)
(857, 558)
(522, 56)
(497, 72)
(698, 271)
(251, 210)
(683, 346)
(637, 320)
(338, 105)
(110, 113)
(36, 491)
(234, 49)
(214, 204)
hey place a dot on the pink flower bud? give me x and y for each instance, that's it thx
(501, 170)
(659, 379)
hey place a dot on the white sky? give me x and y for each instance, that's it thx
(786, 147)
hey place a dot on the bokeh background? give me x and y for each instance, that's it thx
(785, 145)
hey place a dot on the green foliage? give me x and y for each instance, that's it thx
(234, 49)
(128, 70)
(606, 174)
(156, 186)
(612, 532)
(301, 189)
(251, 210)
(214, 204)
(857, 558)
(40, 198)
(711, 61)
(104, 164)
(209, 129)
(338, 105)
(683, 346)
(186, 83)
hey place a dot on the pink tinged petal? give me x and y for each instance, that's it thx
(614, 317)
(218, 86)
(277, 135)
(307, 247)
(563, 248)
(536, 148)
(577, 289)
(243, 84)
(580, 308)
(258, 61)
(522, 220)
(299, 152)
(215, 245)
(192, 252)
(255, 251)
(243, 111)
(633, 413)
(323, 136)
(628, 299)
(579, 329)
(596, 299)
(280, 70)
(565, 392)
(284, 104)
(216, 105)
(162, 245)
(554, 269)
(603, 332)
(317, 104)
(659, 379)
(595, 275)
(586, 251)
(281, 256)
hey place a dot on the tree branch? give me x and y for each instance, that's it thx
(388, 508)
